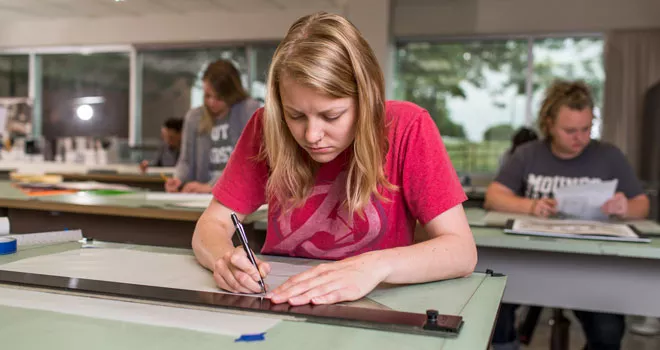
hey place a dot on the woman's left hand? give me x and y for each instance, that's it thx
(334, 282)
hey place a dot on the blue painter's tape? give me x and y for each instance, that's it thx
(251, 337)
(7, 245)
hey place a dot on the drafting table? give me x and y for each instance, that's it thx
(126, 218)
(475, 298)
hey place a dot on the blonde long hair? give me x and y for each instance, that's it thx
(326, 53)
(572, 94)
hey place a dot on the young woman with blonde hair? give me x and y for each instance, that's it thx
(346, 176)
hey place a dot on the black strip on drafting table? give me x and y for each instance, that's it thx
(431, 323)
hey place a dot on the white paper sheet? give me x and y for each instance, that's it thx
(154, 315)
(92, 186)
(191, 204)
(138, 267)
(179, 197)
(584, 201)
(50, 237)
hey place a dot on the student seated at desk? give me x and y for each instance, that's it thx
(168, 154)
(565, 155)
(345, 173)
(210, 132)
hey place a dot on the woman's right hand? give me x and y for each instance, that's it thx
(172, 185)
(235, 273)
(544, 207)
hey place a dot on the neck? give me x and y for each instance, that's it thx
(561, 154)
(222, 114)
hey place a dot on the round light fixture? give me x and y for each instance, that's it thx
(85, 112)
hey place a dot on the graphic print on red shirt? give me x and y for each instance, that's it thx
(327, 230)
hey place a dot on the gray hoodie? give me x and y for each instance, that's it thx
(194, 161)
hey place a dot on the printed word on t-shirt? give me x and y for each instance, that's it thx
(221, 146)
(543, 186)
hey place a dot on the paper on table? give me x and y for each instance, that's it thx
(584, 201)
(50, 237)
(165, 196)
(138, 267)
(499, 219)
(92, 186)
(154, 315)
(581, 229)
(191, 204)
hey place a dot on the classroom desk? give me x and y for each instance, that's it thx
(127, 218)
(572, 274)
(126, 174)
(476, 196)
(475, 298)
(152, 182)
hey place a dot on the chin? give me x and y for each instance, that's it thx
(323, 158)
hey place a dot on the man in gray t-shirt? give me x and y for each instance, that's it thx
(527, 182)
(533, 171)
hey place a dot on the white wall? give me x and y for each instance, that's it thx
(190, 27)
(470, 17)
(372, 17)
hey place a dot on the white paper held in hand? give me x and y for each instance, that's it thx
(585, 200)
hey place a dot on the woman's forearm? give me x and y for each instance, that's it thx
(444, 257)
(504, 200)
(211, 240)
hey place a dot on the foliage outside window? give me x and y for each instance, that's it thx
(476, 91)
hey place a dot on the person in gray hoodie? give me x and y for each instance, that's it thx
(211, 131)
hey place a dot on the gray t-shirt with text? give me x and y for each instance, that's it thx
(533, 171)
(221, 146)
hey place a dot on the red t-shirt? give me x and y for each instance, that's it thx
(417, 163)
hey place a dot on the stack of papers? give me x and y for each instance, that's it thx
(584, 201)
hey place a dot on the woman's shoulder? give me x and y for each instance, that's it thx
(194, 114)
(605, 149)
(394, 107)
(250, 104)
(402, 114)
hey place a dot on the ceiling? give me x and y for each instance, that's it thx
(18, 10)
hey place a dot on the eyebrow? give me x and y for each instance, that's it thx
(329, 110)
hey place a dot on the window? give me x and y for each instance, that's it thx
(476, 91)
(85, 94)
(172, 83)
(262, 56)
(14, 75)
(572, 59)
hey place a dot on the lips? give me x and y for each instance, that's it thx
(319, 149)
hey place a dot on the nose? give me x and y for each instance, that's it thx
(313, 132)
